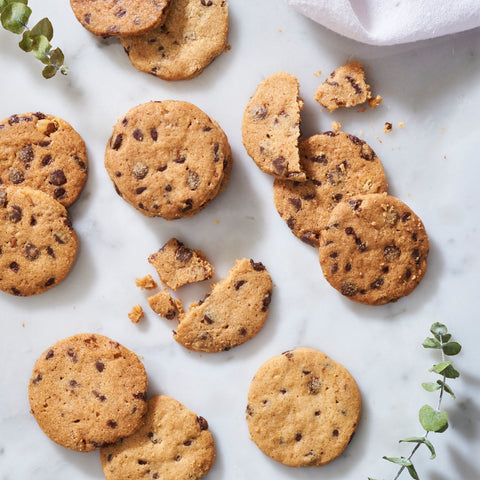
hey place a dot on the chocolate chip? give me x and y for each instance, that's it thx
(179, 160)
(355, 204)
(87, 17)
(377, 283)
(414, 236)
(259, 113)
(57, 177)
(140, 190)
(14, 214)
(207, 320)
(266, 301)
(187, 443)
(330, 134)
(59, 193)
(193, 180)
(15, 291)
(355, 140)
(112, 424)
(73, 383)
(16, 176)
(416, 255)
(183, 254)
(367, 152)
(51, 252)
(168, 188)
(120, 13)
(138, 135)
(26, 154)
(279, 165)
(408, 274)
(13, 120)
(207, 128)
(291, 223)
(51, 128)
(142, 462)
(354, 84)
(310, 197)
(319, 159)
(242, 331)
(15, 267)
(335, 433)
(118, 142)
(298, 437)
(405, 216)
(362, 246)
(99, 365)
(215, 152)
(3, 198)
(203, 423)
(309, 238)
(50, 282)
(37, 379)
(46, 160)
(238, 284)
(313, 385)
(348, 267)
(296, 202)
(334, 268)
(350, 231)
(257, 266)
(162, 168)
(31, 252)
(154, 134)
(170, 315)
(72, 355)
(349, 289)
(140, 396)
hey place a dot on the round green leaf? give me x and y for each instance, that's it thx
(431, 343)
(43, 27)
(56, 57)
(49, 71)
(399, 461)
(26, 43)
(451, 348)
(41, 49)
(450, 372)
(431, 386)
(433, 420)
(438, 329)
(15, 17)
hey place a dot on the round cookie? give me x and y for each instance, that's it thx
(108, 18)
(374, 249)
(232, 313)
(87, 391)
(172, 444)
(43, 152)
(194, 33)
(337, 166)
(168, 159)
(303, 408)
(271, 127)
(38, 244)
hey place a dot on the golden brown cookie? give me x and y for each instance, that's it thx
(374, 249)
(303, 408)
(38, 244)
(173, 444)
(194, 33)
(337, 166)
(164, 305)
(168, 159)
(43, 152)
(178, 264)
(271, 126)
(115, 18)
(345, 87)
(232, 313)
(87, 391)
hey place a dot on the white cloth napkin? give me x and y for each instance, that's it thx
(388, 22)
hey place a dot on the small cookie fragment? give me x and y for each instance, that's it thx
(345, 87)
(178, 264)
(114, 18)
(271, 127)
(303, 408)
(194, 33)
(374, 249)
(146, 282)
(338, 165)
(164, 305)
(43, 152)
(375, 102)
(173, 443)
(38, 244)
(87, 391)
(388, 127)
(232, 313)
(136, 314)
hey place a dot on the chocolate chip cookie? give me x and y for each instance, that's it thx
(303, 408)
(232, 313)
(168, 159)
(337, 166)
(194, 33)
(271, 126)
(87, 391)
(374, 249)
(38, 244)
(43, 152)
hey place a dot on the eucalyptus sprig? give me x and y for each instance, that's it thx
(14, 16)
(432, 419)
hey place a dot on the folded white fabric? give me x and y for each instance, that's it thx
(388, 22)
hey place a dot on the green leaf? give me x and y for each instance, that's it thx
(41, 49)
(4, 3)
(56, 57)
(49, 71)
(15, 17)
(26, 43)
(438, 329)
(64, 70)
(43, 27)
(432, 343)
(431, 386)
(440, 367)
(424, 441)
(451, 348)
(446, 388)
(399, 461)
(450, 372)
(412, 472)
(433, 420)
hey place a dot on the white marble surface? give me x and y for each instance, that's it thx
(431, 164)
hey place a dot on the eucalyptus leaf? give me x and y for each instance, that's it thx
(440, 367)
(424, 441)
(4, 3)
(438, 329)
(431, 386)
(451, 348)
(15, 17)
(433, 420)
(41, 49)
(43, 27)
(56, 57)
(404, 462)
(432, 343)
(412, 472)
(450, 372)
(446, 388)
(26, 43)
(49, 71)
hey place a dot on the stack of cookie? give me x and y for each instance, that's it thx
(172, 39)
(43, 168)
(331, 190)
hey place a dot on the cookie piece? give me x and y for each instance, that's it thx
(337, 165)
(168, 159)
(146, 283)
(178, 265)
(114, 18)
(271, 126)
(345, 87)
(174, 443)
(164, 305)
(194, 33)
(43, 152)
(136, 314)
(88, 391)
(232, 313)
(38, 244)
(303, 408)
(374, 249)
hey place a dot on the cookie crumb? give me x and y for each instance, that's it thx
(227, 48)
(146, 282)
(336, 126)
(401, 124)
(317, 74)
(164, 305)
(136, 314)
(388, 127)
(375, 102)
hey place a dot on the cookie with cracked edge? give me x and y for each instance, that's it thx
(87, 391)
(345, 87)
(173, 443)
(177, 264)
(168, 159)
(374, 249)
(271, 127)
(38, 244)
(43, 152)
(193, 35)
(337, 165)
(233, 312)
(115, 18)
(303, 408)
